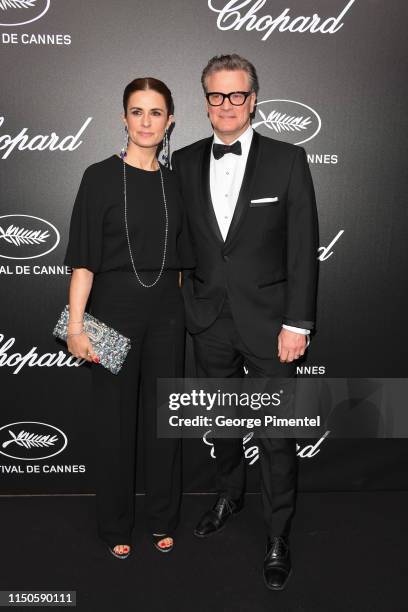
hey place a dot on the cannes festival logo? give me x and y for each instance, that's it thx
(292, 121)
(20, 12)
(26, 237)
(31, 440)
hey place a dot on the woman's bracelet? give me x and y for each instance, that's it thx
(76, 334)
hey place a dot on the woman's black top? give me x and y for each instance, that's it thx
(97, 235)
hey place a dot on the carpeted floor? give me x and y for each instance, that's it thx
(348, 554)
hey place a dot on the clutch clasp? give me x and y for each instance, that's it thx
(93, 330)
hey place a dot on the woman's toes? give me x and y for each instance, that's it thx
(121, 549)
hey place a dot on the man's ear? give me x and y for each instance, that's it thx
(252, 103)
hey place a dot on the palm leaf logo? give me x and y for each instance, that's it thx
(5, 4)
(18, 236)
(281, 122)
(28, 440)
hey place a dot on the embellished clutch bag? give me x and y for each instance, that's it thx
(110, 346)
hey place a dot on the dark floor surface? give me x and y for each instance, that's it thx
(349, 553)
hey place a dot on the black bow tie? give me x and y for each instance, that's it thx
(221, 149)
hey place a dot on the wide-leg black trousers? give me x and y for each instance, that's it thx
(221, 353)
(153, 319)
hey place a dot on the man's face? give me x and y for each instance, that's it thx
(228, 120)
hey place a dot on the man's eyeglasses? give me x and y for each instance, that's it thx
(237, 98)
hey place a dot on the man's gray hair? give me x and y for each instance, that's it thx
(230, 62)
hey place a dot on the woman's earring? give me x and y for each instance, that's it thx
(166, 149)
(123, 151)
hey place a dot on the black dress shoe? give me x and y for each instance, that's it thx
(277, 566)
(214, 520)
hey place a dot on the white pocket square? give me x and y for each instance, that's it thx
(265, 200)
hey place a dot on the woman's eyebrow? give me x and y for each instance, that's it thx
(140, 108)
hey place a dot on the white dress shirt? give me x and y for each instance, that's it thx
(226, 176)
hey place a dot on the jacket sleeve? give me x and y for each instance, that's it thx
(302, 245)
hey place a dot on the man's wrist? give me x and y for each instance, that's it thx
(298, 330)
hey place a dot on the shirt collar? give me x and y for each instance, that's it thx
(245, 138)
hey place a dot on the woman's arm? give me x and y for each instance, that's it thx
(80, 287)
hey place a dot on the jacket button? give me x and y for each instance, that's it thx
(225, 257)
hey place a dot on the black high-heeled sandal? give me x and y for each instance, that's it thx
(158, 537)
(118, 555)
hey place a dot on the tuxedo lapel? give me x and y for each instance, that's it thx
(206, 191)
(244, 196)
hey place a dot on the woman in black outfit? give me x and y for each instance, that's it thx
(128, 240)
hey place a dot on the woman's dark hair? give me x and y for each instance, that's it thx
(144, 83)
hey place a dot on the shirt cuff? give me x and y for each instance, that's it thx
(297, 330)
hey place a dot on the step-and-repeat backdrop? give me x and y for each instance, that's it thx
(332, 79)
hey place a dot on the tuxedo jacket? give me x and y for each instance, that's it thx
(267, 266)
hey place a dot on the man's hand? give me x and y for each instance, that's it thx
(290, 345)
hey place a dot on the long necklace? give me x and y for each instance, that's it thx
(165, 232)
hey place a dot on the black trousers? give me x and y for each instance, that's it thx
(153, 319)
(220, 353)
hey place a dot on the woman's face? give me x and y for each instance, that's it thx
(147, 118)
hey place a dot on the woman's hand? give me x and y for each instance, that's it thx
(81, 347)
(79, 344)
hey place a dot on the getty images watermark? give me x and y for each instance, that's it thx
(282, 407)
(233, 407)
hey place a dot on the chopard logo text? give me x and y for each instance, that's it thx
(230, 17)
(32, 358)
(22, 141)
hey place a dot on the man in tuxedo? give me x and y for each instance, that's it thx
(251, 299)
